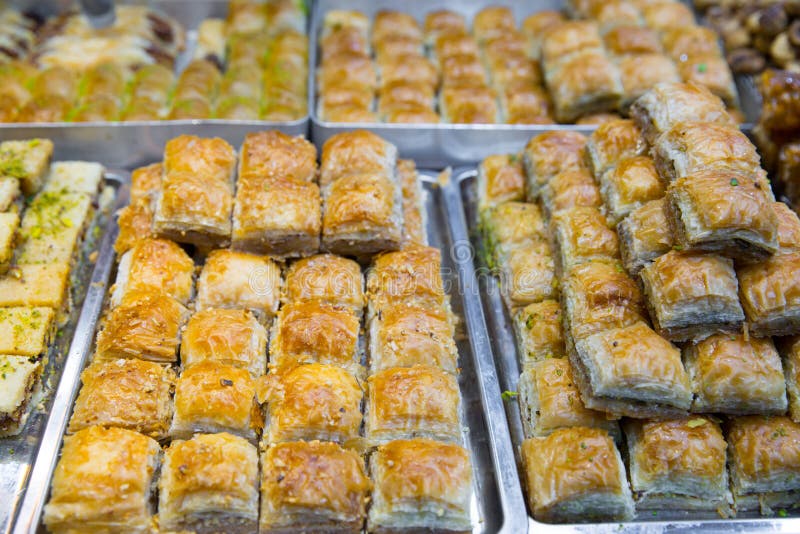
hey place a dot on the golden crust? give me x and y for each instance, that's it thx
(611, 13)
(135, 223)
(312, 401)
(632, 40)
(357, 69)
(133, 394)
(468, 104)
(275, 154)
(444, 21)
(549, 153)
(158, 265)
(644, 235)
(146, 182)
(209, 157)
(493, 21)
(412, 275)
(788, 227)
(355, 152)
(455, 44)
(765, 455)
(536, 26)
(582, 83)
(539, 332)
(612, 142)
(571, 189)
(527, 273)
(409, 67)
(570, 37)
(713, 72)
(327, 278)
(770, 294)
(629, 185)
(512, 223)
(502, 179)
(790, 352)
(389, 23)
(364, 202)
(662, 16)
(414, 213)
(685, 41)
(583, 234)
(640, 72)
(462, 70)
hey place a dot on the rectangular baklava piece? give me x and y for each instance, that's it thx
(312, 486)
(311, 402)
(500, 179)
(583, 235)
(82, 177)
(678, 464)
(208, 481)
(272, 154)
(548, 154)
(409, 276)
(85, 490)
(549, 400)
(51, 227)
(583, 83)
(508, 224)
(326, 278)
(527, 273)
(692, 295)
(25, 331)
(644, 235)
(641, 72)
(156, 265)
(196, 197)
(415, 216)
(539, 332)
(735, 375)
(231, 337)
(629, 185)
(356, 152)
(570, 189)
(27, 161)
(764, 462)
(420, 484)
(770, 294)
(18, 382)
(631, 371)
(36, 285)
(612, 142)
(576, 474)
(410, 402)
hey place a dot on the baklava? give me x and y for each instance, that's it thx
(790, 352)
(273, 154)
(511, 223)
(37, 285)
(549, 153)
(27, 161)
(536, 26)
(570, 189)
(356, 152)
(539, 332)
(527, 273)
(500, 179)
(628, 186)
(52, 225)
(570, 37)
(9, 223)
(326, 278)
(82, 177)
(410, 276)
(770, 296)
(415, 216)
(19, 379)
(641, 72)
(25, 331)
(631, 40)
(712, 72)
(644, 235)
(583, 234)
(612, 142)
(583, 83)
(157, 265)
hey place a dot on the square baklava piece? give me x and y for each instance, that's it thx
(26, 331)
(612, 142)
(500, 179)
(158, 265)
(356, 152)
(327, 278)
(770, 294)
(27, 161)
(583, 83)
(570, 189)
(583, 235)
(409, 276)
(629, 185)
(51, 227)
(644, 235)
(527, 273)
(539, 332)
(549, 153)
(41, 284)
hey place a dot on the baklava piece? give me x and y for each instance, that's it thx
(770, 295)
(356, 152)
(527, 273)
(712, 72)
(583, 83)
(632, 40)
(326, 278)
(571, 37)
(550, 153)
(273, 154)
(36, 285)
(667, 15)
(511, 223)
(25, 331)
(415, 216)
(82, 177)
(18, 382)
(539, 332)
(500, 179)
(641, 72)
(612, 142)
(51, 227)
(9, 222)
(157, 265)
(410, 276)
(644, 235)
(27, 161)
(583, 234)
(790, 351)
(570, 189)
(629, 185)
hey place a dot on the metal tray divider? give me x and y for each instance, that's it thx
(511, 498)
(38, 487)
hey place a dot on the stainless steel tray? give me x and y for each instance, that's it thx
(17, 454)
(497, 504)
(135, 143)
(504, 348)
(439, 145)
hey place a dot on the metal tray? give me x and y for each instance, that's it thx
(135, 143)
(17, 453)
(497, 504)
(503, 346)
(439, 145)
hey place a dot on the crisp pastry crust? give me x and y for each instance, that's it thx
(640, 72)
(356, 152)
(549, 400)
(408, 335)
(133, 394)
(692, 295)
(146, 325)
(549, 153)
(612, 13)
(326, 278)
(713, 72)
(527, 273)
(209, 480)
(26, 331)
(686, 41)
(678, 462)
(407, 68)
(85, 490)
(19, 378)
(316, 332)
(644, 235)
(362, 214)
(476, 104)
(582, 235)
(275, 154)
(734, 375)
(631, 39)
(409, 276)
(667, 104)
(522, 103)
(501, 178)
(420, 484)
(629, 185)
(37, 285)
(443, 21)
(491, 22)
(583, 83)
(790, 352)
(347, 113)
(569, 37)
(612, 142)
(415, 216)
(631, 371)
(537, 25)
(231, 279)
(788, 227)
(230, 337)
(356, 68)
(154, 264)
(576, 474)
(689, 147)
(313, 486)
(770, 295)
(462, 70)
(663, 16)
(389, 23)
(309, 402)
(725, 212)
(213, 397)
(598, 295)
(409, 402)
(411, 115)
(570, 189)
(764, 456)
(539, 332)
(452, 44)
(135, 223)
(81, 177)
(512, 223)
(404, 92)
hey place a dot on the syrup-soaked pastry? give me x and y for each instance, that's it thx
(311, 402)
(493, 21)
(644, 235)
(154, 264)
(388, 23)
(770, 295)
(501, 178)
(711, 71)
(511, 223)
(629, 185)
(583, 235)
(549, 400)
(583, 83)
(576, 474)
(19, 378)
(537, 25)
(85, 491)
(522, 103)
(631, 371)
(678, 464)
(77, 177)
(348, 113)
(663, 16)
(725, 212)
(275, 154)
(52, 225)
(146, 182)
(539, 332)
(788, 227)
(409, 402)
(549, 153)
(567, 38)
(231, 337)
(357, 69)
(790, 352)
(692, 295)
(455, 44)
(411, 115)
(398, 93)
(468, 105)
(25, 331)
(326, 278)
(640, 72)
(734, 375)
(409, 276)
(356, 152)
(342, 41)
(27, 161)
(133, 394)
(10, 192)
(313, 486)
(527, 273)
(687, 41)
(409, 68)
(420, 484)
(441, 22)
(570, 189)
(612, 142)
(37, 285)
(9, 223)
(626, 39)
(208, 481)
(415, 216)
(764, 462)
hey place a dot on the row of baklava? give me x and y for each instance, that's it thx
(39, 245)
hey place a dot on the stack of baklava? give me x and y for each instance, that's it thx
(254, 377)
(664, 323)
(39, 245)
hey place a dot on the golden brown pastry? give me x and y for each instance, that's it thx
(536, 26)
(468, 104)
(389, 23)
(37, 285)
(644, 235)
(678, 464)
(582, 235)
(641, 72)
(462, 70)
(522, 103)
(539, 332)
(493, 21)
(569, 37)
(327, 278)
(612, 142)
(415, 214)
(314, 486)
(570, 189)
(154, 264)
(409, 276)
(789, 348)
(711, 71)
(209, 480)
(26, 331)
(583, 83)
(28, 161)
(770, 295)
(629, 185)
(52, 225)
(512, 223)
(135, 223)
(575, 474)
(275, 154)
(527, 273)
(408, 402)
(312, 401)
(692, 295)
(663, 16)
(686, 41)
(627, 39)
(133, 394)
(500, 179)
(443, 21)
(356, 152)
(85, 490)
(407, 68)
(420, 484)
(548, 154)
(788, 227)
